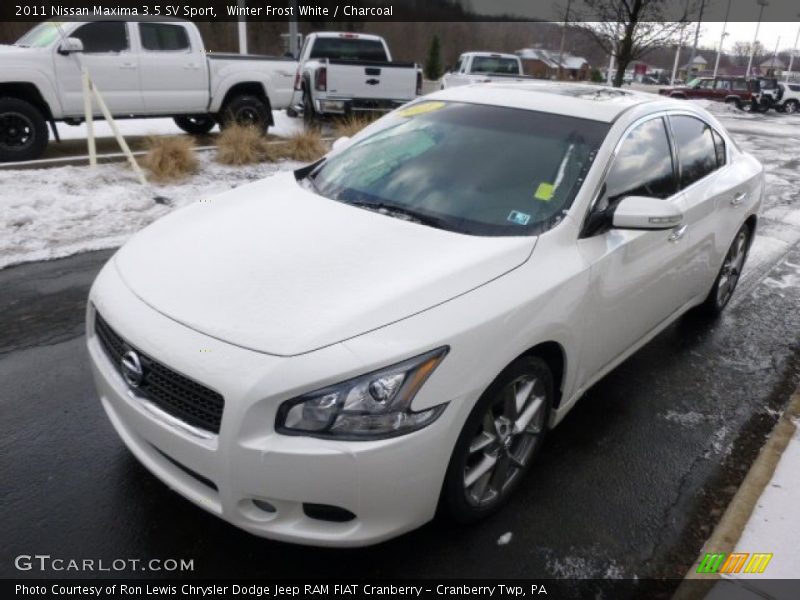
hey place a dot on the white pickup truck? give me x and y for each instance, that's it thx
(340, 73)
(142, 69)
(484, 67)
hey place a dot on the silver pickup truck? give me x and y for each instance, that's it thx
(142, 68)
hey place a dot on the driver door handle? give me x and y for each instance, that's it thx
(678, 233)
(738, 198)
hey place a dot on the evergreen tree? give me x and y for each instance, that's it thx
(433, 66)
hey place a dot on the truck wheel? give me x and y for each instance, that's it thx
(195, 124)
(791, 107)
(310, 116)
(734, 102)
(23, 131)
(246, 110)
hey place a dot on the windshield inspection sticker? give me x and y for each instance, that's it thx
(544, 192)
(519, 218)
(421, 109)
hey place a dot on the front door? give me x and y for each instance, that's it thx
(112, 66)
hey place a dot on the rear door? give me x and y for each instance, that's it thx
(637, 276)
(113, 66)
(174, 70)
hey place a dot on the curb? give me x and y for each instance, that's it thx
(733, 521)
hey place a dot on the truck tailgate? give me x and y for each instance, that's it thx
(379, 81)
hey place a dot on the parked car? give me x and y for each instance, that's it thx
(790, 98)
(484, 67)
(758, 94)
(343, 73)
(142, 69)
(330, 355)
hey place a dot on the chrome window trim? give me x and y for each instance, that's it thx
(661, 114)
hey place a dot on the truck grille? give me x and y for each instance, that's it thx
(173, 393)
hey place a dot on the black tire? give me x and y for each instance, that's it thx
(791, 107)
(195, 124)
(23, 131)
(310, 116)
(246, 110)
(462, 501)
(729, 274)
(735, 102)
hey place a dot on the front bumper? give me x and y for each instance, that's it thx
(391, 486)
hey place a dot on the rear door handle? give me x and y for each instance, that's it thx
(678, 233)
(738, 198)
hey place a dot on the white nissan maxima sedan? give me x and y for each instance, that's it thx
(332, 355)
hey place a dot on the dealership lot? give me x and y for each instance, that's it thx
(630, 484)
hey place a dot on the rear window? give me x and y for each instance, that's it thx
(349, 49)
(438, 161)
(697, 151)
(162, 37)
(489, 64)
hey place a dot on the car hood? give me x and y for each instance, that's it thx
(277, 269)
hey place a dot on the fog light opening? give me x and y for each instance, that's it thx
(264, 505)
(326, 512)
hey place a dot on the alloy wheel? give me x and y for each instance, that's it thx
(732, 268)
(505, 440)
(16, 131)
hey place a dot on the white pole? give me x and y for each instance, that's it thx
(293, 49)
(120, 140)
(88, 114)
(794, 50)
(722, 38)
(762, 4)
(242, 30)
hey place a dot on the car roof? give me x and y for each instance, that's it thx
(594, 102)
(347, 34)
(490, 54)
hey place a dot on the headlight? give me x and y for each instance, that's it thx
(372, 406)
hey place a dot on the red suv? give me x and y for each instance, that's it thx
(748, 94)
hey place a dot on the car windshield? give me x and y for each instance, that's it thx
(694, 82)
(475, 169)
(42, 36)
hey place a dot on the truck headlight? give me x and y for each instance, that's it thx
(372, 406)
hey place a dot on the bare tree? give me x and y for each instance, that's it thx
(629, 29)
(740, 52)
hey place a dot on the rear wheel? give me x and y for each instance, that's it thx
(195, 124)
(790, 107)
(734, 102)
(729, 274)
(247, 111)
(23, 131)
(499, 441)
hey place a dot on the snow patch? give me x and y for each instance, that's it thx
(505, 538)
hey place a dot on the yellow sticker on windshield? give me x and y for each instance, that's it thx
(421, 109)
(544, 192)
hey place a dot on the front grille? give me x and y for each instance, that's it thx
(173, 393)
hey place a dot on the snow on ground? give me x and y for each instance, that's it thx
(52, 213)
(284, 127)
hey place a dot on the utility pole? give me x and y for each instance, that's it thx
(242, 29)
(762, 4)
(563, 35)
(722, 38)
(680, 44)
(696, 35)
(794, 51)
(293, 49)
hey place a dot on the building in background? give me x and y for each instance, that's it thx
(544, 64)
(774, 67)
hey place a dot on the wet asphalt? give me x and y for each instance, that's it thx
(630, 484)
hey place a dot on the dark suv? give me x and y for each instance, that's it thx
(758, 94)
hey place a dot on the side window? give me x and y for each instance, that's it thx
(643, 166)
(159, 37)
(739, 85)
(723, 84)
(707, 84)
(719, 147)
(459, 64)
(697, 153)
(103, 37)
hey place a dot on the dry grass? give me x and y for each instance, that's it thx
(352, 124)
(243, 145)
(304, 146)
(170, 158)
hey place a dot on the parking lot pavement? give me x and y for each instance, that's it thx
(631, 483)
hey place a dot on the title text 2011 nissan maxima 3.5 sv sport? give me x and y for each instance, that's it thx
(331, 355)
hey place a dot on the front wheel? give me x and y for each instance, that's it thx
(23, 131)
(195, 124)
(791, 107)
(499, 441)
(729, 274)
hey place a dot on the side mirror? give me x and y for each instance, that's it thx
(70, 46)
(642, 212)
(340, 143)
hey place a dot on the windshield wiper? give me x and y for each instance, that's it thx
(404, 211)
